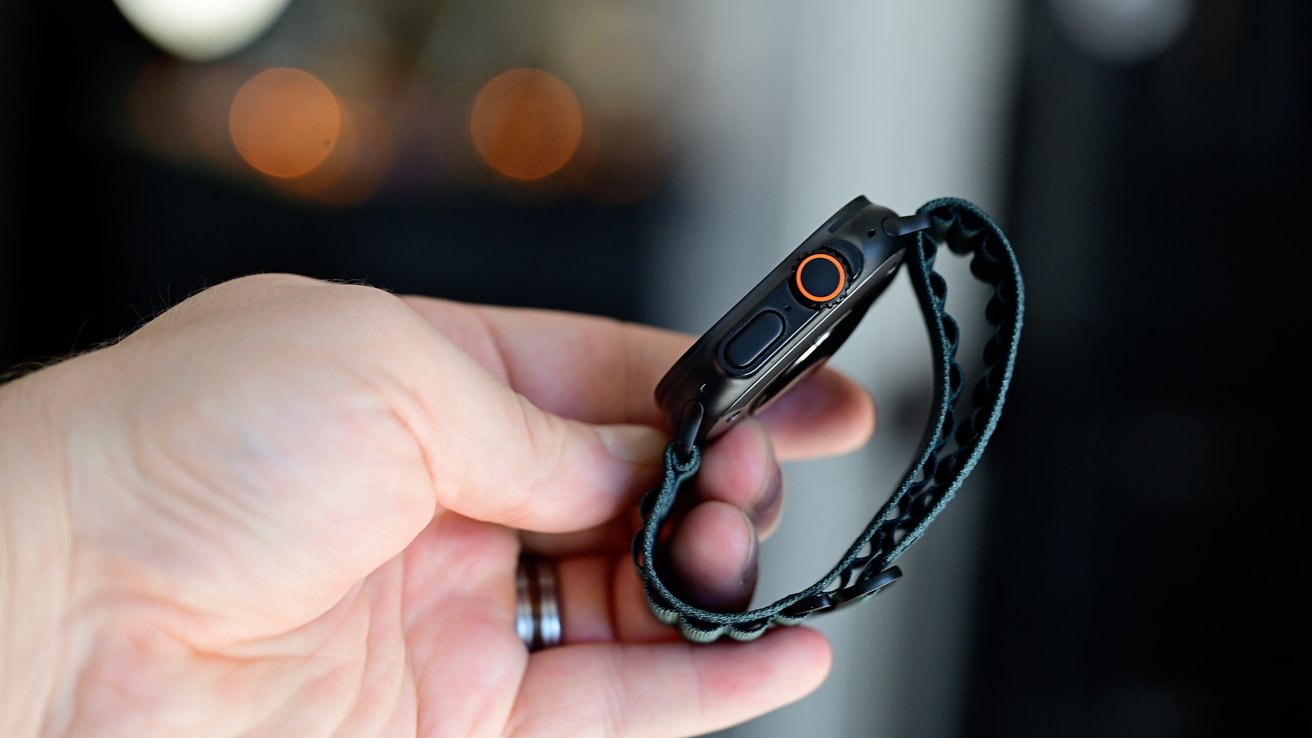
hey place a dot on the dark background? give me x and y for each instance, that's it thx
(1148, 543)
(1145, 561)
(101, 235)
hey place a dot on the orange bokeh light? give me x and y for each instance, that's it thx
(525, 124)
(284, 122)
(358, 164)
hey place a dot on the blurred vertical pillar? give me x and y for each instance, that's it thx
(8, 185)
(53, 221)
(795, 112)
(1150, 554)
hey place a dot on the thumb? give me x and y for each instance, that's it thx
(520, 466)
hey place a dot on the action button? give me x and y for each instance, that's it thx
(820, 277)
(754, 339)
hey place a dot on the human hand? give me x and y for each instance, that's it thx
(287, 507)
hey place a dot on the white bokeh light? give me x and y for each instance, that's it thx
(201, 30)
(1123, 31)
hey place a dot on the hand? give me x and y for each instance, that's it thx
(287, 507)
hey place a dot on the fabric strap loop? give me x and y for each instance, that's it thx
(952, 447)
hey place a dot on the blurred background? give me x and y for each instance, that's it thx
(1132, 558)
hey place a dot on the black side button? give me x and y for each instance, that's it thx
(753, 339)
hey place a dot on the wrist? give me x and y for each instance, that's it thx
(35, 556)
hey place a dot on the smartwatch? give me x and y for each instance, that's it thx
(786, 327)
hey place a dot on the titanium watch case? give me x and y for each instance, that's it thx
(812, 302)
(788, 325)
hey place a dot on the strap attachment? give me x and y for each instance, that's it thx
(956, 435)
(904, 225)
(686, 435)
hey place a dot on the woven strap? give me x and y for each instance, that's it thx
(952, 448)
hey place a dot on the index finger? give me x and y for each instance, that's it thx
(601, 370)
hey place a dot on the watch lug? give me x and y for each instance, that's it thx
(690, 425)
(902, 225)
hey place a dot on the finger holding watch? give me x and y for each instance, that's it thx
(736, 500)
(713, 551)
(353, 461)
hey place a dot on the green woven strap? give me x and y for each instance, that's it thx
(952, 448)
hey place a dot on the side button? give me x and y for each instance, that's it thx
(753, 339)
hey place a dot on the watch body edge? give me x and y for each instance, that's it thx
(776, 334)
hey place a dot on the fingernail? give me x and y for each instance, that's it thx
(770, 487)
(769, 498)
(748, 579)
(633, 444)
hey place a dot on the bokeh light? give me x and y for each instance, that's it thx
(284, 122)
(525, 124)
(358, 164)
(201, 30)
(1123, 31)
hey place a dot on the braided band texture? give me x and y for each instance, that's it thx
(953, 444)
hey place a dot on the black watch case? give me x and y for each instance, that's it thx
(789, 324)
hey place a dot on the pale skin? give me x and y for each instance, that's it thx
(288, 507)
